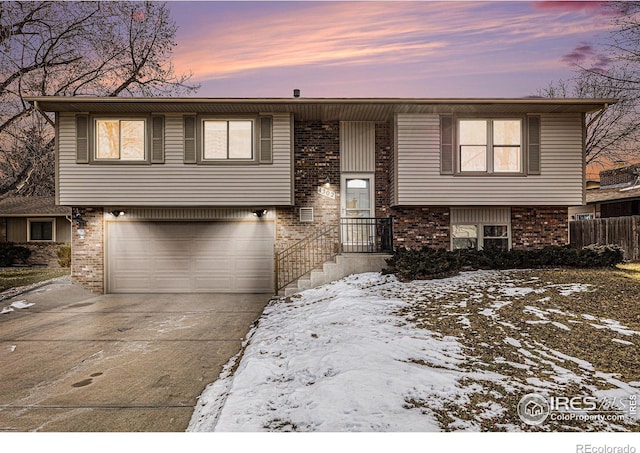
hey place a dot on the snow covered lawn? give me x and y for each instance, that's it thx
(370, 353)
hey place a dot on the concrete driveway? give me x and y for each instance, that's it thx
(75, 361)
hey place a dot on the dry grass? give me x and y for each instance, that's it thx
(11, 278)
(544, 338)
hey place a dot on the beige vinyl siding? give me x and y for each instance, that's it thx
(174, 183)
(419, 181)
(357, 146)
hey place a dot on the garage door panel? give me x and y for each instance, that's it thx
(212, 256)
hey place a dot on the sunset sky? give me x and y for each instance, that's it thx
(385, 49)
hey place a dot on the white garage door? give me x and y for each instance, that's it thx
(190, 257)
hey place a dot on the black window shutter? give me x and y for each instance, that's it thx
(266, 140)
(533, 149)
(446, 145)
(190, 140)
(157, 139)
(82, 139)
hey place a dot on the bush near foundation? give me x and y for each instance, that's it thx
(64, 255)
(427, 263)
(13, 254)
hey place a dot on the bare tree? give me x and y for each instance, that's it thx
(612, 133)
(68, 49)
(612, 73)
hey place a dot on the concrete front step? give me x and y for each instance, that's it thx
(344, 265)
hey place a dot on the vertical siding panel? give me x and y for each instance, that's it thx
(488, 215)
(63, 230)
(357, 146)
(17, 229)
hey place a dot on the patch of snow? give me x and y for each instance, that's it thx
(6, 310)
(22, 304)
(535, 311)
(568, 289)
(12, 348)
(618, 327)
(513, 342)
(516, 292)
(616, 340)
(487, 312)
(560, 325)
(342, 357)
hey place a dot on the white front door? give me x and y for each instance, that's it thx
(357, 204)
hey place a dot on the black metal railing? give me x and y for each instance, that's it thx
(306, 255)
(352, 235)
(366, 234)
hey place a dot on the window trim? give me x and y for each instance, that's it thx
(51, 220)
(480, 233)
(490, 146)
(93, 139)
(255, 140)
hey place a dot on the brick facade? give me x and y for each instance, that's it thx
(619, 175)
(316, 151)
(384, 161)
(538, 227)
(416, 227)
(316, 156)
(87, 258)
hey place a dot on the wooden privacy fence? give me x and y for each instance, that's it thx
(622, 231)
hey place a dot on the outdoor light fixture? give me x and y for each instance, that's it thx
(80, 224)
(327, 182)
(117, 213)
(259, 212)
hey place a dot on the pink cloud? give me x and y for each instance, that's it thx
(591, 7)
(586, 56)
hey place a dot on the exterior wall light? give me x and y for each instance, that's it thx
(80, 224)
(117, 213)
(259, 212)
(327, 182)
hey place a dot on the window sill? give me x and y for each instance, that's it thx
(490, 175)
(119, 162)
(221, 162)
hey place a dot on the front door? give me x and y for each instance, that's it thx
(358, 207)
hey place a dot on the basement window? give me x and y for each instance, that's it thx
(480, 237)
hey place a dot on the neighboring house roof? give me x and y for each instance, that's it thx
(612, 194)
(354, 109)
(31, 206)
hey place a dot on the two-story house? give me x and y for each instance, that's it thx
(194, 195)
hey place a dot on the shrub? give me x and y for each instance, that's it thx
(64, 255)
(11, 254)
(428, 263)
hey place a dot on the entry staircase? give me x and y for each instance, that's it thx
(353, 246)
